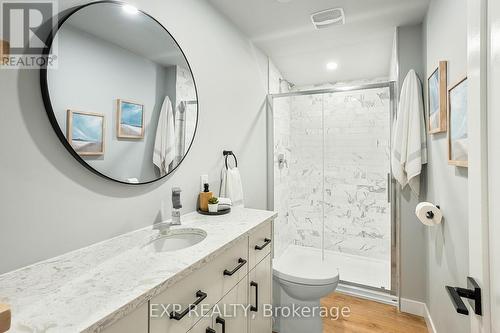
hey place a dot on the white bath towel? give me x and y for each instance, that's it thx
(409, 150)
(231, 186)
(164, 149)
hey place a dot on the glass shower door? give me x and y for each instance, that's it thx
(306, 170)
(332, 181)
(357, 170)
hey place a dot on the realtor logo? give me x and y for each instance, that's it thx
(25, 28)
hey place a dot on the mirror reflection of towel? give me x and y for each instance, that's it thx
(164, 149)
(231, 186)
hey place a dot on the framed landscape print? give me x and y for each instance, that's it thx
(85, 132)
(458, 149)
(437, 96)
(130, 120)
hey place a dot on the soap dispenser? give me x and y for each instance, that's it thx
(204, 196)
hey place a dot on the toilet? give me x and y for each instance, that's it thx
(300, 279)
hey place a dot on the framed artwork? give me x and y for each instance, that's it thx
(458, 149)
(85, 132)
(130, 120)
(437, 95)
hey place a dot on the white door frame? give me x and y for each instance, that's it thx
(493, 107)
(477, 45)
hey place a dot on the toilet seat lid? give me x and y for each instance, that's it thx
(301, 267)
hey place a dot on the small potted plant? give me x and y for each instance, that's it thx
(213, 204)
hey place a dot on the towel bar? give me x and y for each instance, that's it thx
(228, 153)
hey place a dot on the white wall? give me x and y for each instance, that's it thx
(445, 36)
(50, 204)
(413, 233)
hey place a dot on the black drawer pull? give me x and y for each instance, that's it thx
(255, 308)
(267, 241)
(210, 330)
(178, 316)
(241, 263)
(221, 321)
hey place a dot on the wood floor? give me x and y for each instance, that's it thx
(368, 316)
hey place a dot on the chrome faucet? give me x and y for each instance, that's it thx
(176, 206)
(164, 227)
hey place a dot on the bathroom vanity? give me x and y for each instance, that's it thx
(130, 283)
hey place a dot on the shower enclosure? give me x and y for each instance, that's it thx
(332, 180)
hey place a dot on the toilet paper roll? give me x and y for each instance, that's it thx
(428, 213)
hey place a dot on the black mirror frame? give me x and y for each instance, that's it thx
(50, 111)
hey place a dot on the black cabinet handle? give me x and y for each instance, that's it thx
(241, 263)
(221, 321)
(178, 316)
(210, 330)
(267, 241)
(255, 308)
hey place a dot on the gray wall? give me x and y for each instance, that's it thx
(50, 204)
(413, 254)
(91, 75)
(445, 36)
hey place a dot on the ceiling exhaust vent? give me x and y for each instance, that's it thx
(327, 18)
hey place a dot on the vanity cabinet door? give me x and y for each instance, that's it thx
(136, 322)
(259, 284)
(204, 287)
(260, 243)
(203, 326)
(229, 314)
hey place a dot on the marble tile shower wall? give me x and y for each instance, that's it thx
(354, 141)
(283, 230)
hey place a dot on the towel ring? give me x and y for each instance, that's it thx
(228, 153)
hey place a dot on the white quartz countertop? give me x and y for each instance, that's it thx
(88, 289)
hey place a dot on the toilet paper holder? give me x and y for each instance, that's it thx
(430, 215)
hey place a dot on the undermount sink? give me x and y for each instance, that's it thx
(177, 239)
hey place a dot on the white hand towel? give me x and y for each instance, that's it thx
(410, 140)
(164, 149)
(231, 186)
(225, 201)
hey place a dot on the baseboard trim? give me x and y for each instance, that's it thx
(413, 307)
(428, 321)
(368, 294)
(419, 309)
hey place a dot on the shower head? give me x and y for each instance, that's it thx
(289, 84)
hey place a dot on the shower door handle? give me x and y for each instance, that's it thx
(389, 187)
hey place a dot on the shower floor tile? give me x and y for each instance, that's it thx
(360, 270)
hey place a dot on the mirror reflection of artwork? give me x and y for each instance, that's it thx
(130, 120)
(458, 134)
(85, 132)
(138, 62)
(437, 94)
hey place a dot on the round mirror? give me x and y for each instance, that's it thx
(121, 96)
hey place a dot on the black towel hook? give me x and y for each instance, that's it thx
(228, 153)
